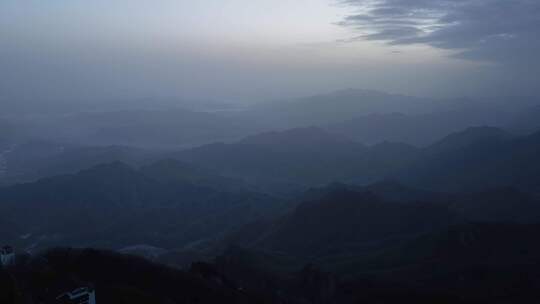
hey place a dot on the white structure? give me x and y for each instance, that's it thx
(7, 256)
(83, 295)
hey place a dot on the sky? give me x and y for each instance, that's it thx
(245, 50)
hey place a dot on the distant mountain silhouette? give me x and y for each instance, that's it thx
(308, 137)
(31, 160)
(476, 159)
(303, 156)
(167, 127)
(421, 130)
(115, 205)
(341, 105)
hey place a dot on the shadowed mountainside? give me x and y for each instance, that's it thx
(303, 156)
(114, 205)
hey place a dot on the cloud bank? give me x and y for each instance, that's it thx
(500, 31)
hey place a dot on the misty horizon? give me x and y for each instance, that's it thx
(238, 51)
(269, 151)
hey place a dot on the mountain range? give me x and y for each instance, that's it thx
(330, 205)
(114, 205)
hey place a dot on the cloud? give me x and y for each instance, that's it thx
(502, 31)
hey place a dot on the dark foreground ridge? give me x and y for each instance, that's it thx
(469, 263)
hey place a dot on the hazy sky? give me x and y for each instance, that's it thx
(266, 49)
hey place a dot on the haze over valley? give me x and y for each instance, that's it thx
(316, 152)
